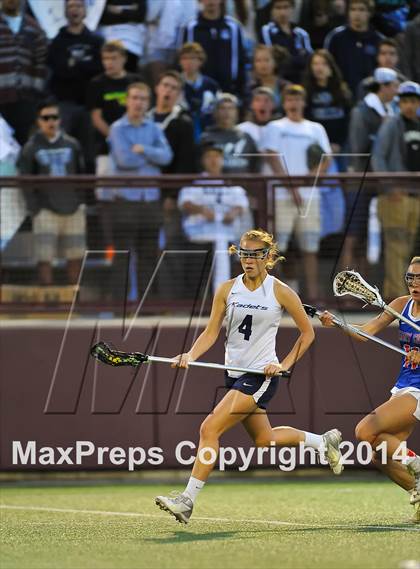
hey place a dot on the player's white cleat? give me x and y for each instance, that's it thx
(332, 440)
(177, 504)
(414, 469)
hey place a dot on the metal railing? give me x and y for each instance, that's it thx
(260, 190)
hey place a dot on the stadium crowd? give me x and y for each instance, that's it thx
(211, 88)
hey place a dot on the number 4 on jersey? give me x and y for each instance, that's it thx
(245, 327)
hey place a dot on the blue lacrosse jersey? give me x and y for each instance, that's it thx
(410, 340)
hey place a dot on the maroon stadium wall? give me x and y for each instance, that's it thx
(54, 394)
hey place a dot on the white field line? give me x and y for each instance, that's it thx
(205, 519)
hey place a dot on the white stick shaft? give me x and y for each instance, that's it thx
(359, 332)
(401, 317)
(210, 365)
(369, 337)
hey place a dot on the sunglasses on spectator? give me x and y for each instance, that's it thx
(49, 117)
(253, 253)
(411, 278)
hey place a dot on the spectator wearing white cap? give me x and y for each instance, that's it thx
(365, 120)
(367, 116)
(397, 149)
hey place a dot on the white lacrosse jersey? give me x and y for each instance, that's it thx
(252, 320)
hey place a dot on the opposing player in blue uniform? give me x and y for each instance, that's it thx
(394, 421)
(251, 306)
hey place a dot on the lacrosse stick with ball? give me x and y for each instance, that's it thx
(108, 355)
(352, 283)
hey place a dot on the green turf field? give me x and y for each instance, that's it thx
(289, 524)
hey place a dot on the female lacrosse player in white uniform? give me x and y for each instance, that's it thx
(394, 421)
(251, 306)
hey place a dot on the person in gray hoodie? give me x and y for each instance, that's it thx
(56, 212)
(397, 149)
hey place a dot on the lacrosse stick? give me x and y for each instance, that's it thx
(108, 355)
(350, 282)
(312, 311)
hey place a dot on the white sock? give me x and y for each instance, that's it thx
(193, 488)
(312, 440)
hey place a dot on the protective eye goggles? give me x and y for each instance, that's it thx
(412, 278)
(253, 253)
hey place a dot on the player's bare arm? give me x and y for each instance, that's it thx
(292, 304)
(373, 326)
(209, 336)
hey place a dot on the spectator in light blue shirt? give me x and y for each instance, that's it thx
(133, 216)
(138, 145)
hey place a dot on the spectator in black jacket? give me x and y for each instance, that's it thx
(222, 39)
(179, 131)
(319, 17)
(355, 45)
(56, 214)
(74, 57)
(328, 97)
(175, 122)
(281, 31)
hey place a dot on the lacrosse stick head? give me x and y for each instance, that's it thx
(351, 282)
(107, 355)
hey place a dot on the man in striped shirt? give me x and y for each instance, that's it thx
(23, 52)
